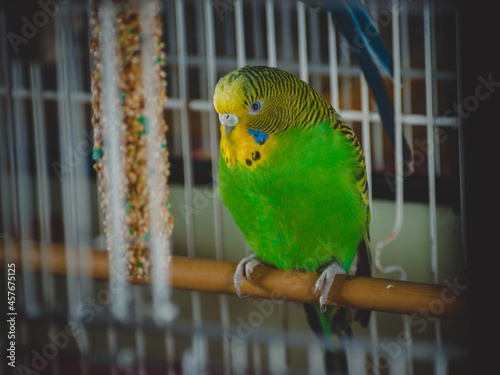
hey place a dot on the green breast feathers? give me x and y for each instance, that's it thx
(301, 205)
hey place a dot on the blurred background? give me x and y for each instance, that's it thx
(49, 189)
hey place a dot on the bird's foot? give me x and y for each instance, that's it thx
(325, 282)
(244, 268)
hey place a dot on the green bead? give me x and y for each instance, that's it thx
(96, 153)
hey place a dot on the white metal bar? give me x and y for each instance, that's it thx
(186, 147)
(333, 63)
(277, 357)
(112, 346)
(239, 358)
(170, 351)
(315, 360)
(431, 168)
(271, 34)
(239, 25)
(256, 358)
(164, 310)
(302, 35)
(74, 287)
(43, 184)
(24, 193)
(10, 214)
(173, 79)
(433, 46)
(187, 163)
(365, 125)
(201, 19)
(214, 152)
(405, 65)
(140, 341)
(81, 146)
(43, 196)
(398, 177)
(429, 94)
(214, 144)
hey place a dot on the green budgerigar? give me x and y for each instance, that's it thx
(293, 176)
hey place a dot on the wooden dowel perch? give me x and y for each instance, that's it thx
(401, 297)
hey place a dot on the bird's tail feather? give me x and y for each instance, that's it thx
(333, 323)
(353, 21)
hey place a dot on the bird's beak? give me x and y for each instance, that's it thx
(229, 121)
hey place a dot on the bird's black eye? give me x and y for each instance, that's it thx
(255, 107)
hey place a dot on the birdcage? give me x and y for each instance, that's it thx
(78, 303)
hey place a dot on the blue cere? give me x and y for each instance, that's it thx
(260, 136)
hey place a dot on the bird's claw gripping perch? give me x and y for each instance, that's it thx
(244, 268)
(325, 282)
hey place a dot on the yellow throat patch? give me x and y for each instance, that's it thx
(243, 148)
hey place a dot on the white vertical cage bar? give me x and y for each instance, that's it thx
(200, 19)
(198, 342)
(431, 150)
(377, 130)
(214, 152)
(433, 53)
(24, 183)
(7, 166)
(78, 149)
(169, 343)
(406, 66)
(302, 36)
(112, 346)
(277, 357)
(43, 183)
(333, 63)
(239, 359)
(398, 137)
(73, 282)
(82, 137)
(43, 194)
(439, 361)
(256, 358)
(345, 91)
(175, 147)
(315, 360)
(10, 197)
(140, 340)
(398, 178)
(240, 33)
(164, 310)
(271, 34)
(365, 125)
